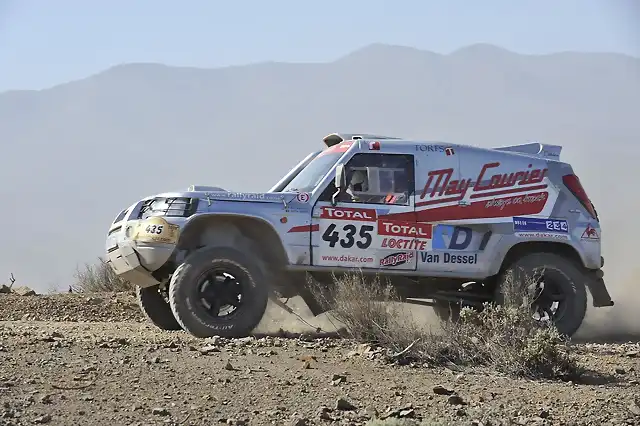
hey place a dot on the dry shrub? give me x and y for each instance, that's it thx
(370, 311)
(99, 277)
(503, 337)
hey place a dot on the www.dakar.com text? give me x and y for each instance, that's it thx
(347, 259)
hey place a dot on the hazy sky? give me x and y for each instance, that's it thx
(43, 43)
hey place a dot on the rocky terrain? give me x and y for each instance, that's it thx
(72, 359)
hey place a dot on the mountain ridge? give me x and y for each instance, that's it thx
(78, 153)
(372, 48)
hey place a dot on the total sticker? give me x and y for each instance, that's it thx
(156, 230)
(303, 197)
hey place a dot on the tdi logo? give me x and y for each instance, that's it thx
(447, 237)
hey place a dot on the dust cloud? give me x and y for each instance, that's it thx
(276, 320)
(619, 323)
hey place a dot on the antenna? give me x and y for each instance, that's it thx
(12, 279)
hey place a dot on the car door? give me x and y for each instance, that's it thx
(444, 199)
(360, 231)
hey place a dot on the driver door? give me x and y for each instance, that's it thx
(355, 233)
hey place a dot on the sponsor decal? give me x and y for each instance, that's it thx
(347, 259)
(250, 196)
(404, 235)
(440, 184)
(348, 213)
(490, 195)
(590, 233)
(449, 237)
(405, 229)
(540, 227)
(303, 197)
(404, 243)
(449, 151)
(396, 259)
(519, 205)
(430, 148)
(449, 258)
(507, 194)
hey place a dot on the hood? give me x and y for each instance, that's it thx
(220, 194)
(261, 197)
(214, 193)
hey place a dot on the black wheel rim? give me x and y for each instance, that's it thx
(220, 293)
(549, 298)
(163, 291)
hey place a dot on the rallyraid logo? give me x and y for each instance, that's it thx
(396, 259)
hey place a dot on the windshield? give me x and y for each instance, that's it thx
(317, 169)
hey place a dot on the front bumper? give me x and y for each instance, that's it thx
(139, 247)
(127, 262)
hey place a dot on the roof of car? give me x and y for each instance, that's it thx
(536, 149)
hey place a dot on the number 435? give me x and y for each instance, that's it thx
(154, 229)
(332, 236)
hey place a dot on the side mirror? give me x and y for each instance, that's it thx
(340, 183)
(341, 177)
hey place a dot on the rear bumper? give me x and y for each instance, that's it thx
(135, 263)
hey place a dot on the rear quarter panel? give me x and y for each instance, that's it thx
(562, 220)
(473, 211)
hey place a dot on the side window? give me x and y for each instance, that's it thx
(379, 179)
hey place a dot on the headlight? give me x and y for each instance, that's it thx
(168, 206)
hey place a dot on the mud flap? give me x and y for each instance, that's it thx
(276, 300)
(312, 303)
(598, 290)
(299, 286)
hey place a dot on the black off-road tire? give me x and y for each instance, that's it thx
(184, 295)
(156, 309)
(567, 275)
(446, 311)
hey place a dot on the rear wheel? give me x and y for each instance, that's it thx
(556, 285)
(218, 291)
(156, 308)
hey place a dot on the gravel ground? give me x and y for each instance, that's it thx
(93, 360)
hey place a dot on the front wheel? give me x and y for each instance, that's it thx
(155, 308)
(218, 291)
(557, 288)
